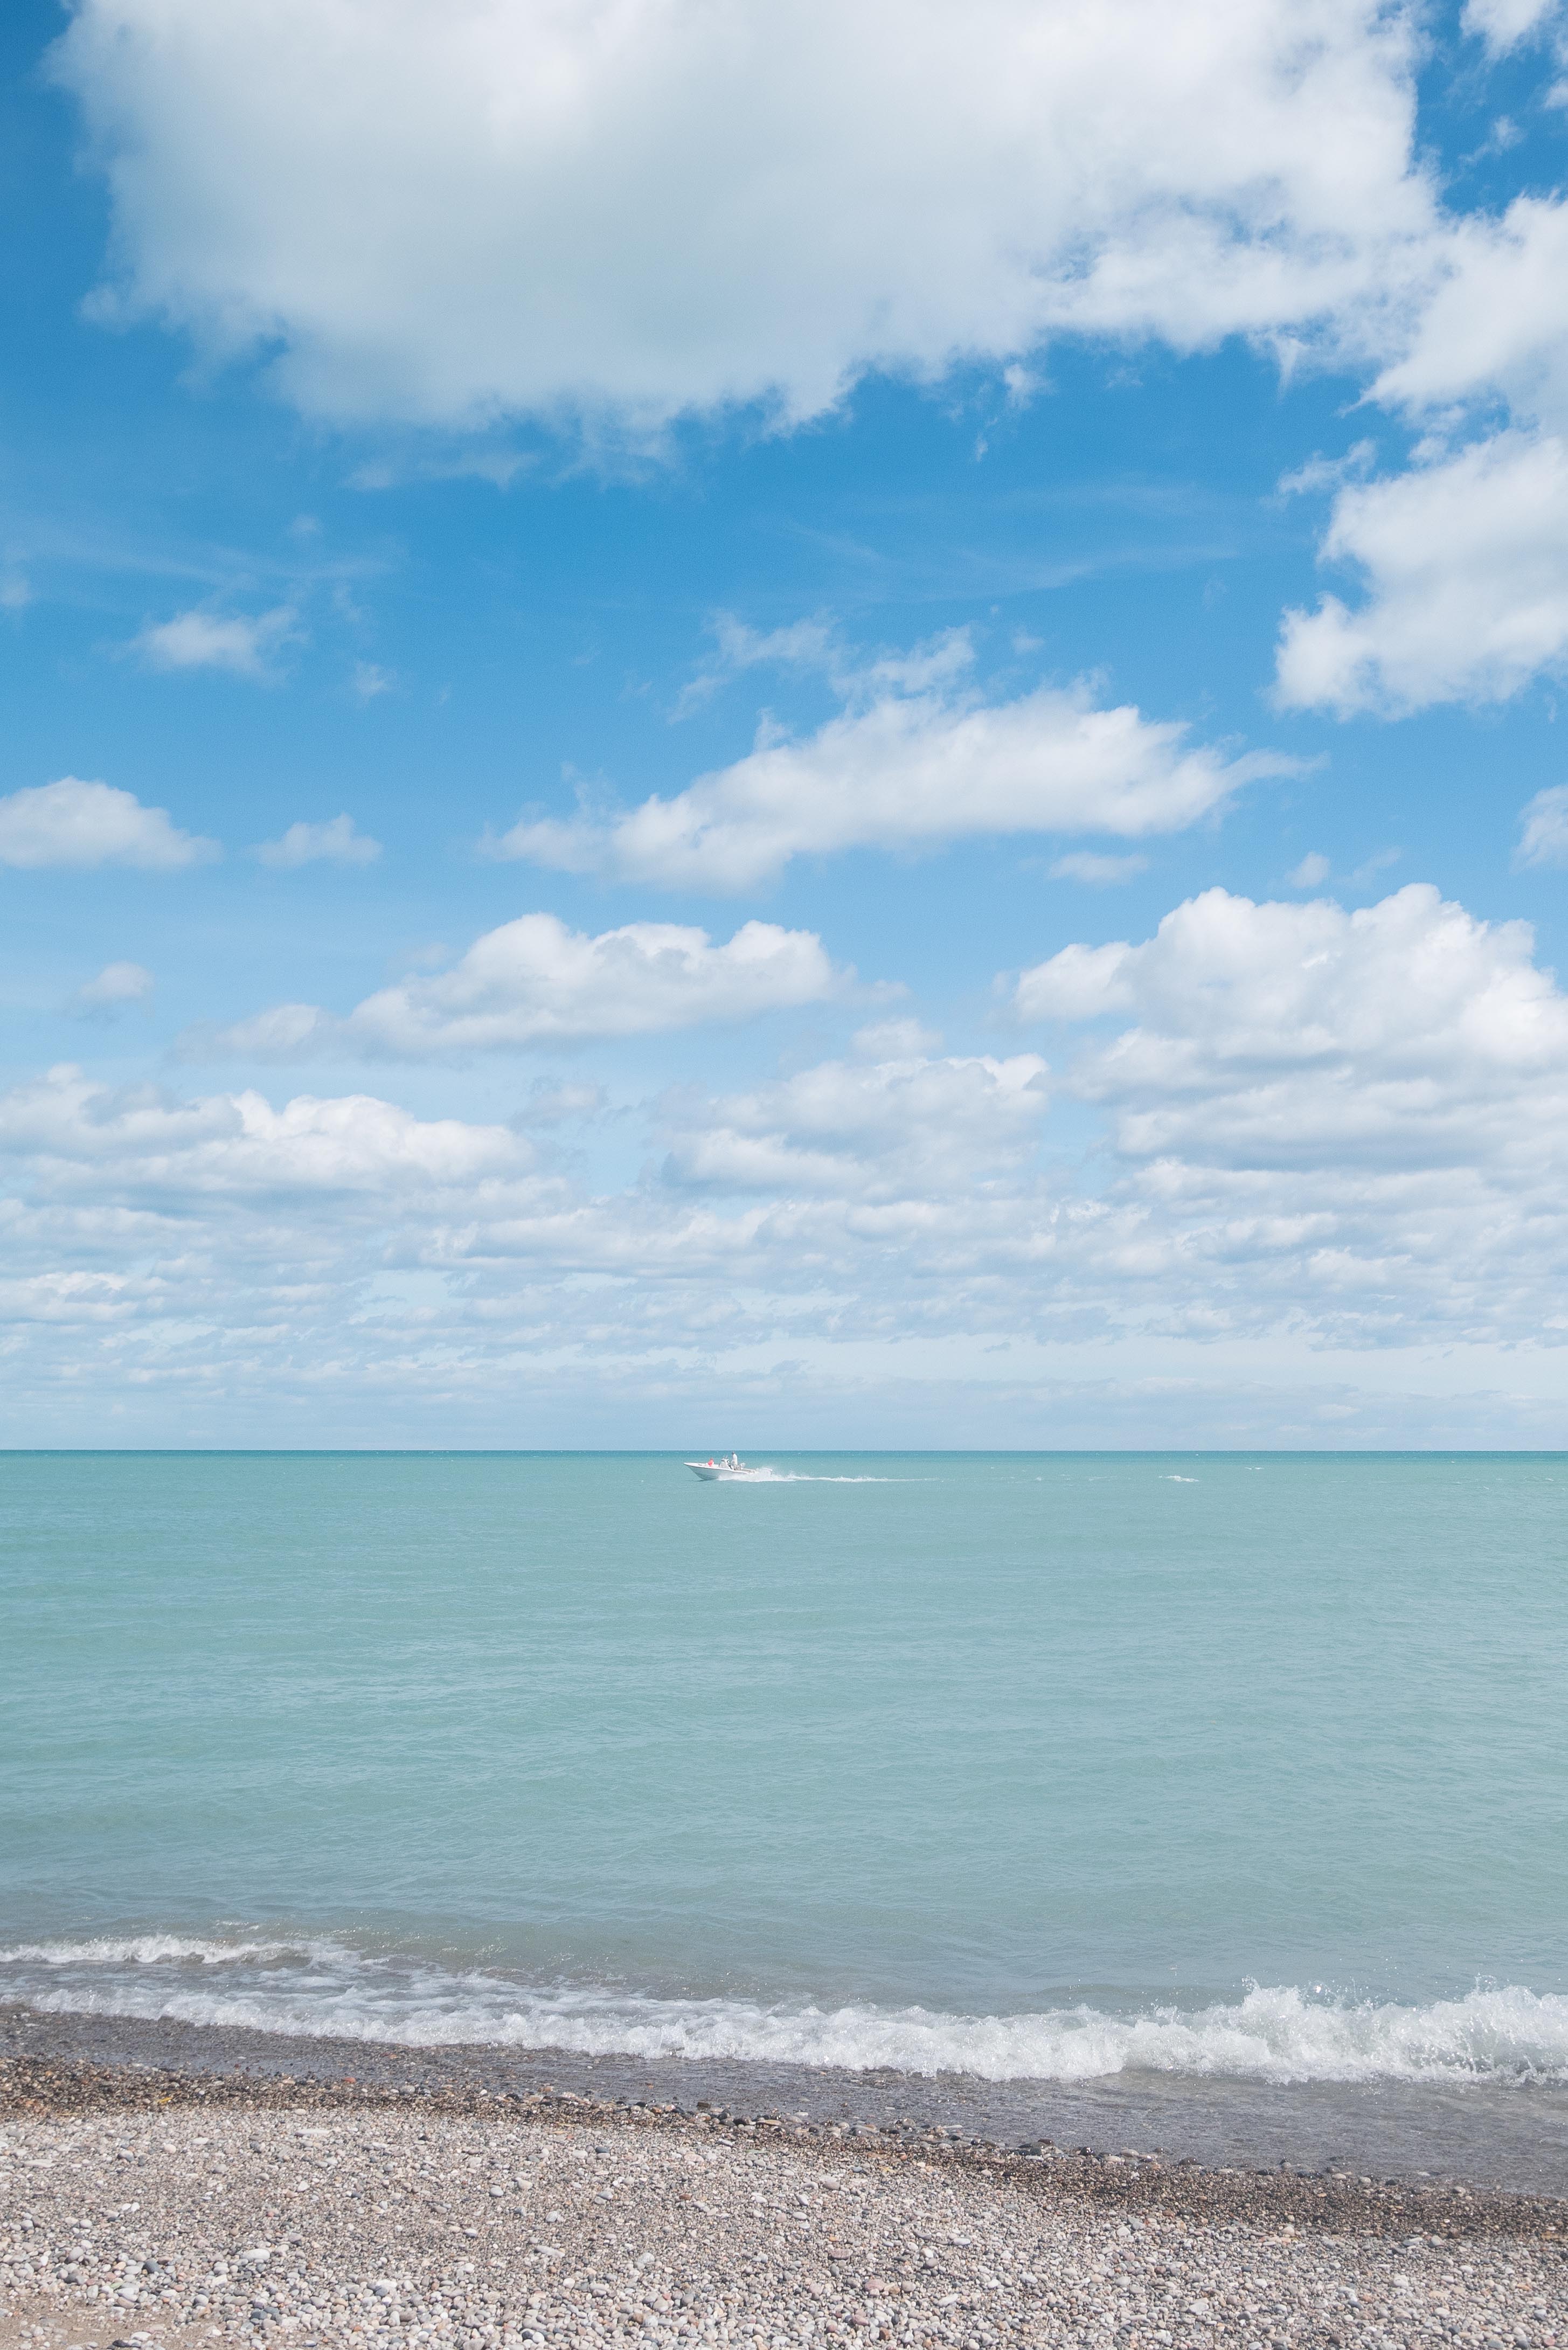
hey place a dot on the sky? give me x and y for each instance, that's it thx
(814, 727)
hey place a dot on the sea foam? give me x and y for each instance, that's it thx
(323, 1988)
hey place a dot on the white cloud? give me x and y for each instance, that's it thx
(1352, 1121)
(334, 842)
(236, 1147)
(76, 823)
(1099, 872)
(450, 212)
(117, 984)
(461, 215)
(465, 213)
(534, 981)
(1321, 1130)
(196, 640)
(1079, 983)
(1543, 828)
(917, 759)
(1314, 870)
(1403, 1034)
(810, 644)
(1321, 474)
(877, 1132)
(371, 680)
(1463, 555)
(1465, 561)
(1503, 24)
(1495, 321)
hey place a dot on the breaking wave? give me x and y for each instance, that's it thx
(323, 1989)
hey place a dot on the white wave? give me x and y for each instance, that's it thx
(766, 1476)
(150, 1949)
(807, 1477)
(322, 1989)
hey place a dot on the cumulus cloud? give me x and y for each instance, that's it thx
(1465, 565)
(334, 842)
(917, 759)
(1461, 557)
(874, 1130)
(456, 215)
(534, 981)
(1494, 323)
(76, 823)
(450, 212)
(116, 985)
(1320, 1128)
(196, 641)
(153, 1147)
(1403, 1034)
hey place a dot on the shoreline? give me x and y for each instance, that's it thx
(1291, 2200)
(1493, 2145)
(148, 2210)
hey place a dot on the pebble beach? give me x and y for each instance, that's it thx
(161, 2211)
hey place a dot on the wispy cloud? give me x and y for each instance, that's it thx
(1100, 872)
(1543, 828)
(117, 986)
(334, 842)
(210, 641)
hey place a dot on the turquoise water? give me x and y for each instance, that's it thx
(1042, 1766)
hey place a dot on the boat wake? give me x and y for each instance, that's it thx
(718, 1473)
(808, 1477)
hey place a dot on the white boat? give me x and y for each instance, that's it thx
(723, 1471)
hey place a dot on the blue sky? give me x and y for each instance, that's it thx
(1050, 993)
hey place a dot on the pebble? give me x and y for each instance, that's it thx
(179, 2218)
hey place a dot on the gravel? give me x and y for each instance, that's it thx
(140, 2209)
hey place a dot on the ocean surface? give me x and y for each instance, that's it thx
(1058, 1767)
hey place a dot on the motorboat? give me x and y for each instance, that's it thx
(722, 1471)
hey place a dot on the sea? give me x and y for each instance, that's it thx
(1224, 1782)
